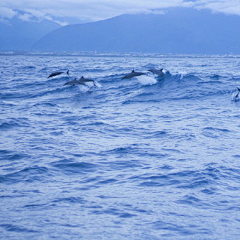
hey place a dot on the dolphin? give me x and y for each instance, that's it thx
(57, 73)
(158, 72)
(81, 81)
(86, 80)
(74, 82)
(133, 74)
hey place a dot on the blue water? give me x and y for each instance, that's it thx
(141, 158)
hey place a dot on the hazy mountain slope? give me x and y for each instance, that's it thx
(20, 35)
(180, 30)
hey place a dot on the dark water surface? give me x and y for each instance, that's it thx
(141, 158)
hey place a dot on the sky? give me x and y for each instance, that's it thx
(79, 11)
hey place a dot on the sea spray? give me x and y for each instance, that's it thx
(147, 80)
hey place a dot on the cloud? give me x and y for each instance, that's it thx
(227, 7)
(25, 17)
(91, 10)
(94, 10)
(7, 13)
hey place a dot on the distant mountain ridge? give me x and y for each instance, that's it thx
(179, 30)
(16, 34)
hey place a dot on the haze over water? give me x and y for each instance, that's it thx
(141, 158)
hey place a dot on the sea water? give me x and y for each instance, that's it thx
(143, 158)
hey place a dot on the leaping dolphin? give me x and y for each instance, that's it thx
(57, 73)
(81, 81)
(85, 80)
(74, 82)
(158, 72)
(133, 74)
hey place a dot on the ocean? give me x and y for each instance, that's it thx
(142, 158)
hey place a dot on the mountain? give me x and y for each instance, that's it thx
(16, 34)
(178, 30)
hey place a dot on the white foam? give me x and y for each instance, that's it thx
(147, 80)
(83, 88)
(88, 86)
(98, 84)
(183, 74)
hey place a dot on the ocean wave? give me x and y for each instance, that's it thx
(16, 228)
(28, 174)
(182, 179)
(69, 200)
(30, 67)
(70, 167)
(215, 132)
(7, 155)
(157, 155)
(14, 123)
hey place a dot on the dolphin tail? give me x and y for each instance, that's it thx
(68, 72)
(237, 93)
(236, 96)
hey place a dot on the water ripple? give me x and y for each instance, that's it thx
(141, 158)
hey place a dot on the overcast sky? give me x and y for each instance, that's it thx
(76, 11)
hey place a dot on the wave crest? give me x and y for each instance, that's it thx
(147, 80)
